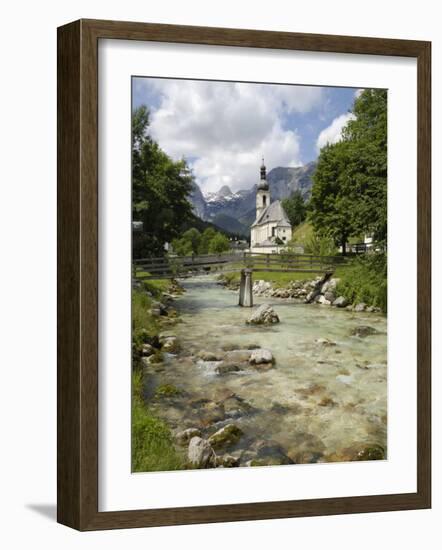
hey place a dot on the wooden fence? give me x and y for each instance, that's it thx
(188, 266)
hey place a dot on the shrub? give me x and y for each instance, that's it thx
(365, 280)
(320, 246)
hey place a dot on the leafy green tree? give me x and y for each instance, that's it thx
(193, 242)
(367, 133)
(295, 208)
(219, 243)
(349, 194)
(330, 205)
(182, 247)
(206, 237)
(160, 190)
(193, 236)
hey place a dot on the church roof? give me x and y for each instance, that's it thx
(273, 213)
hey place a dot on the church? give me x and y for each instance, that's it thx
(271, 230)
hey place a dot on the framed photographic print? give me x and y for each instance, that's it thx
(243, 274)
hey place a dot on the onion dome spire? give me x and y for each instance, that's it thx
(263, 185)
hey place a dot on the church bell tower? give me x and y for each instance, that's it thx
(263, 192)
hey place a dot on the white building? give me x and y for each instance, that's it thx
(271, 231)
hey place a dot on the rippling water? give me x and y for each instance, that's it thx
(318, 400)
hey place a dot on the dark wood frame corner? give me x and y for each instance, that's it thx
(78, 274)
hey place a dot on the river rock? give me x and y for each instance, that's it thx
(182, 438)
(235, 407)
(322, 300)
(357, 453)
(363, 331)
(264, 315)
(163, 336)
(170, 345)
(209, 412)
(269, 453)
(147, 350)
(226, 368)
(330, 296)
(281, 293)
(157, 308)
(154, 358)
(227, 461)
(260, 356)
(209, 356)
(325, 342)
(238, 356)
(226, 436)
(261, 287)
(341, 301)
(200, 453)
(329, 286)
(371, 452)
(359, 307)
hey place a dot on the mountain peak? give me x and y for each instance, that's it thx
(224, 191)
(231, 210)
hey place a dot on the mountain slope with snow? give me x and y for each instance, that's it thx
(235, 211)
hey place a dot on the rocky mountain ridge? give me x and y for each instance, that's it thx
(234, 211)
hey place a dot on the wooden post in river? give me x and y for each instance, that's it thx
(245, 288)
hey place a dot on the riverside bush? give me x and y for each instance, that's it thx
(365, 280)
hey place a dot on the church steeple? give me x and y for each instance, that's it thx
(262, 193)
(263, 181)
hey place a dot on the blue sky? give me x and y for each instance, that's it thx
(223, 129)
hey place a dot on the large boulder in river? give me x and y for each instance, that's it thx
(264, 315)
(329, 286)
(226, 436)
(260, 356)
(200, 453)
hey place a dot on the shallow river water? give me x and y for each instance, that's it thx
(321, 401)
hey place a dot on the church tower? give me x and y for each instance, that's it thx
(262, 193)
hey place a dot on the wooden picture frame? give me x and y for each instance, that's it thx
(78, 274)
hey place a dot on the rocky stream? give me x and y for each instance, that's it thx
(309, 385)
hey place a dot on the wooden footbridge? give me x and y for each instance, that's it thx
(189, 266)
(245, 263)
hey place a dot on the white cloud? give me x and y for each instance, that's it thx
(333, 133)
(225, 128)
